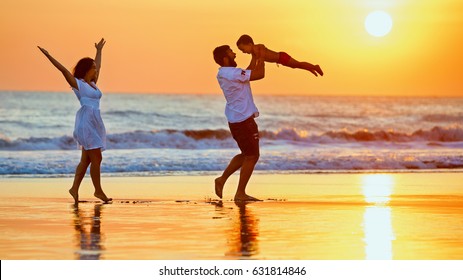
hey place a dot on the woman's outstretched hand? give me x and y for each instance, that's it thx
(44, 51)
(100, 44)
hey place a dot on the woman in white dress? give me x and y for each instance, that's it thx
(89, 130)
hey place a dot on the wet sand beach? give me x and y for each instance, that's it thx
(303, 217)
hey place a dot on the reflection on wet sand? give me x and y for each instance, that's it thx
(409, 216)
(244, 233)
(88, 233)
(377, 220)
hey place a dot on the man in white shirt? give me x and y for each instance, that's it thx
(240, 111)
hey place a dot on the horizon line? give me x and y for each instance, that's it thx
(258, 93)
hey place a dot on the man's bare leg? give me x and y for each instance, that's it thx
(247, 169)
(233, 166)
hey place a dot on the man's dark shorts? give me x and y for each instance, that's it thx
(246, 134)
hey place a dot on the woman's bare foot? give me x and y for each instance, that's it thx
(218, 187)
(75, 195)
(103, 197)
(245, 197)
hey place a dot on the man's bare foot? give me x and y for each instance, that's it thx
(75, 195)
(319, 70)
(245, 197)
(103, 197)
(218, 187)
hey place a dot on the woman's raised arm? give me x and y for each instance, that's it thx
(67, 75)
(99, 47)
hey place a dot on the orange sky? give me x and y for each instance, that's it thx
(165, 46)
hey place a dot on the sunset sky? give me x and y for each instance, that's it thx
(165, 46)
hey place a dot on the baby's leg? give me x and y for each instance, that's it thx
(314, 69)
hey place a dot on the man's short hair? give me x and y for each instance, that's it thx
(244, 39)
(220, 53)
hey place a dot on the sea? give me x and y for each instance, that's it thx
(187, 134)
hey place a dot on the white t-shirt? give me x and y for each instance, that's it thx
(235, 84)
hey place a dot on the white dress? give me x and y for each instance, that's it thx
(89, 130)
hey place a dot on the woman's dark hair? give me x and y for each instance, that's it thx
(220, 53)
(244, 39)
(82, 67)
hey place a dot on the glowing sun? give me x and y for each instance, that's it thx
(378, 23)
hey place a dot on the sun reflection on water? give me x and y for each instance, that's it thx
(377, 188)
(377, 220)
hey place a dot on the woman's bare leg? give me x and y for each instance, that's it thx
(95, 173)
(81, 169)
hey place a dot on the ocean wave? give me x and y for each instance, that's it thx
(436, 134)
(439, 134)
(443, 118)
(333, 116)
(14, 123)
(162, 162)
(133, 113)
(221, 138)
(38, 143)
(170, 138)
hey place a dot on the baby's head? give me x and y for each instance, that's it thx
(245, 43)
